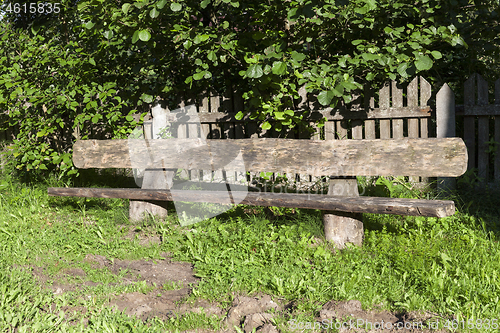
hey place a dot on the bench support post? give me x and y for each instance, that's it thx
(343, 227)
(138, 210)
(157, 179)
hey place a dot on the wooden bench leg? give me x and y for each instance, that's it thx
(139, 210)
(343, 227)
(157, 179)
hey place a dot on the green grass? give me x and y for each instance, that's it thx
(448, 266)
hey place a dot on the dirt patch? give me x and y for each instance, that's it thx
(348, 316)
(250, 313)
(59, 287)
(162, 304)
(154, 273)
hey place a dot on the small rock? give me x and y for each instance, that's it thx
(243, 306)
(268, 328)
(256, 320)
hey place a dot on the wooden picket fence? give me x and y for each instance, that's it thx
(480, 127)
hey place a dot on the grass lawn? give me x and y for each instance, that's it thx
(447, 267)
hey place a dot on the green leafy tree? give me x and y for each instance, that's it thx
(55, 90)
(96, 63)
(269, 50)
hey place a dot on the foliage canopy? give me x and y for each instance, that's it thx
(96, 62)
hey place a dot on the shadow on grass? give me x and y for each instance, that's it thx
(483, 203)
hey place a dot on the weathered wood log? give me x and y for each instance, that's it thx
(394, 206)
(343, 227)
(158, 179)
(445, 157)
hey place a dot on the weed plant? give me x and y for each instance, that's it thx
(448, 266)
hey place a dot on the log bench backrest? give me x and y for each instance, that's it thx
(430, 157)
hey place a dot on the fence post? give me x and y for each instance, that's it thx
(445, 123)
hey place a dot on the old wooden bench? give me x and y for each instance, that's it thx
(342, 205)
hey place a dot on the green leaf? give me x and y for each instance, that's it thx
(161, 4)
(279, 67)
(212, 56)
(266, 126)
(154, 13)
(144, 35)
(347, 99)
(108, 34)
(125, 7)
(279, 115)
(200, 38)
(135, 37)
(370, 56)
(175, 6)
(298, 56)
(361, 10)
(423, 62)
(239, 115)
(199, 75)
(458, 40)
(325, 97)
(357, 41)
(129, 118)
(187, 44)
(92, 61)
(89, 25)
(204, 3)
(436, 54)
(402, 69)
(255, 71)
(35, 29)
(147, 98)
(338, 90)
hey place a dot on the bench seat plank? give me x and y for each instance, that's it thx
(433, 157)
(376, 205)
